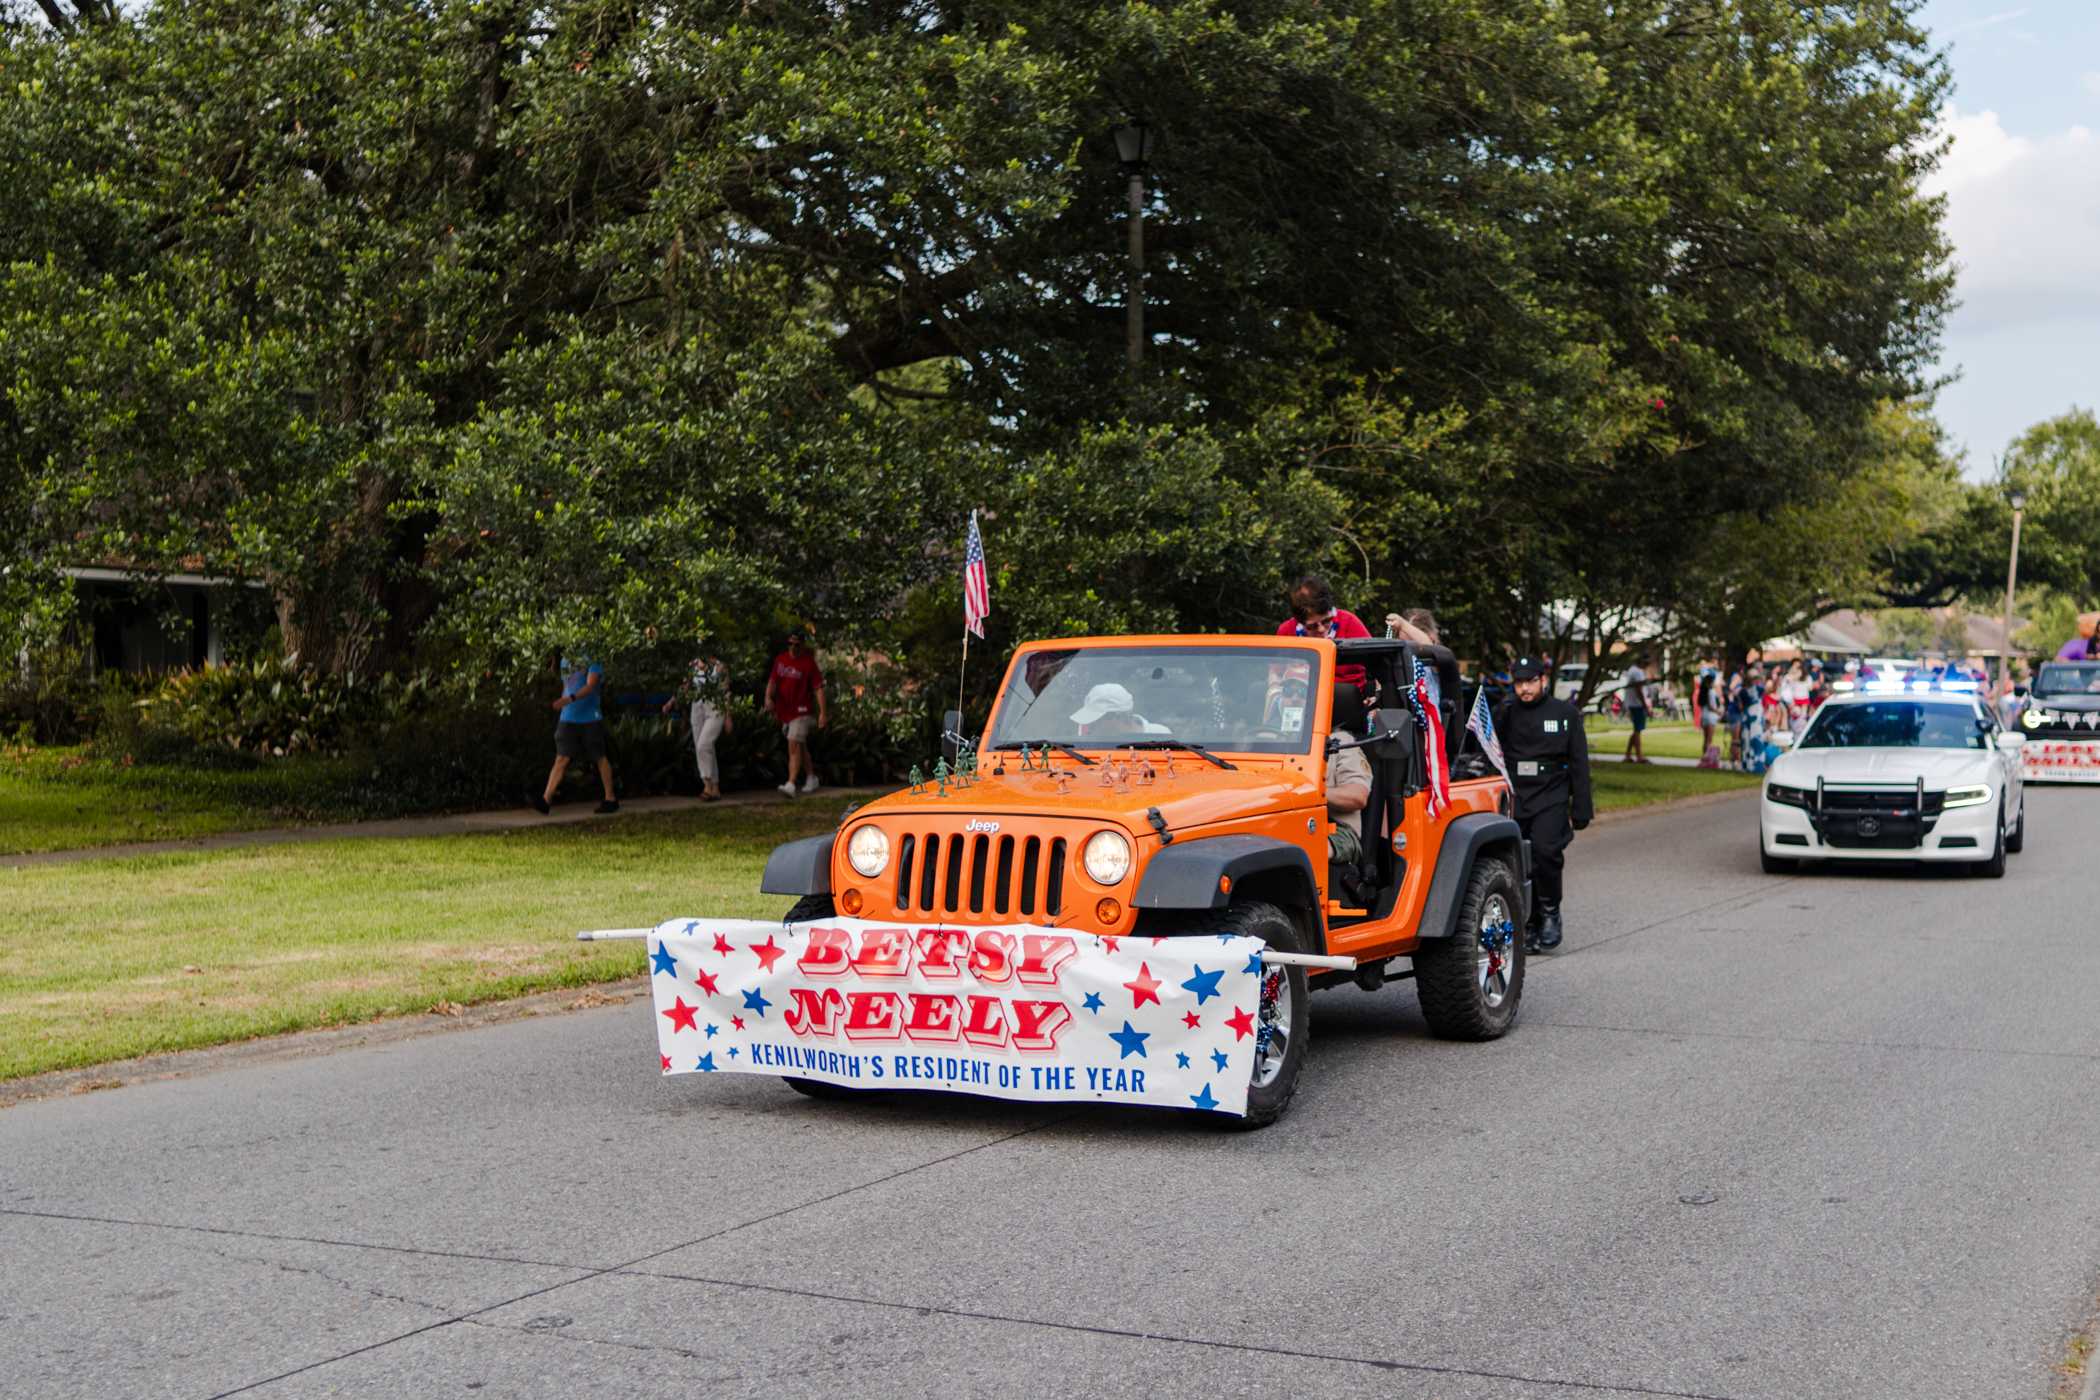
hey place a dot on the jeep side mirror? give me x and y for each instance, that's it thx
(1396, 736)
(951, 735)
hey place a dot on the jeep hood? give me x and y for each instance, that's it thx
(1193, 794)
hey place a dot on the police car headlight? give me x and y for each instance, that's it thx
(1106, 857)
(868, 851)
(1790, 796)
(1966, 797)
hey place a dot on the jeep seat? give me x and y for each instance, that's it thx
(1356, 885)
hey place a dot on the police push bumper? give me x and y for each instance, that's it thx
(1010, 1011)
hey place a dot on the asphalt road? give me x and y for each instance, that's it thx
(1831, 1135)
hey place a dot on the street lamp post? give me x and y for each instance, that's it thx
(1134, 142)
(2018, 500)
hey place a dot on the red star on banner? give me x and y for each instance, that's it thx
(1191, 1019)
(721, 945)
(737, 1021)
(681, 1016)
(1242, 1024)
(768, 953)
(1145, 988)
(707, 982)
(1109, 942)
(667, 1063)
(1157, 941)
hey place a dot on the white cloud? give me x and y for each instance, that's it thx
(1987, 21)
(2023, 214)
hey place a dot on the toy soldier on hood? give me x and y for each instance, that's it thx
(1549, 768)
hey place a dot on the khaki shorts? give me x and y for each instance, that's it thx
(800, 728)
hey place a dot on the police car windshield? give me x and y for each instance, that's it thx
(1894, 724)
(2072, 678)
(1243, 699)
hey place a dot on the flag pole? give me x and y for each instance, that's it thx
(960, 671)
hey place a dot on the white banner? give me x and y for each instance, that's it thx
(2061, 760)
(1016, 1011)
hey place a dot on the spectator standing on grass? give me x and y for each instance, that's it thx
(706, 689)
(579, 731)
(1706, 708)
(795, 696)
(1633, 691)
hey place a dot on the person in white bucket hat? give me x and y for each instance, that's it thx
(1109, 710)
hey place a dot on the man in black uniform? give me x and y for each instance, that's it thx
(1549, 766)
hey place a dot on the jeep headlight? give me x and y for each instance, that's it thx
(868, 851)
(1106, 857)
(1966, 796)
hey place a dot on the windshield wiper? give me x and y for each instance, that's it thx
(1011, 744)
(1197, 749)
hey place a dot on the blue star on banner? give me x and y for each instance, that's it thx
(1132, 1041)
(1204, 1100)
(690, 925)
(711, 1029)
(1254, 964)
(1224, 938)
(1217, 1057)
(1092, 1002)
(755, 1001)
(1204, 984)
(1181, 1057)
(707, 1062)
(662, 961)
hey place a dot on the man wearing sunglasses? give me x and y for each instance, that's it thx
(1314, 614)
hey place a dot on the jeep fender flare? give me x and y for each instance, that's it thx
(1205, 872)
(1468, 839)
(799, 867)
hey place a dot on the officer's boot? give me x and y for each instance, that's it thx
(1531, 928)
(1549, 927)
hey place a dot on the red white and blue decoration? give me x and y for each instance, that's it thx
(1481, 725)
(977, 582)
(1013, 1011)
(1438, 762)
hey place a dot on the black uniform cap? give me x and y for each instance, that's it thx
(1528, 668)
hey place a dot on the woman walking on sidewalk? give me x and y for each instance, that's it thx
(706, 688)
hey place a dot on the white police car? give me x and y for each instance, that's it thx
(1900, 770)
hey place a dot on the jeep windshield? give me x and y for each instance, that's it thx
(2068, 678)
(1894, 724)
(1241, 699)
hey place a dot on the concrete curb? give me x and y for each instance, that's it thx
(295, 1045)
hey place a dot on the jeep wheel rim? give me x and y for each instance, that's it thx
(1496, 966)
(1272, 1041)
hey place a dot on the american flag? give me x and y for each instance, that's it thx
(977, 585)
(1482, 727)
(1437, 761)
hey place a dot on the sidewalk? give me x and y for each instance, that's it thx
(454, 824)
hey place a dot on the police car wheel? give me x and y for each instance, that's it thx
(2018, 839)
(1994, 868)
(815, 906)
(1471, 983)
(1775, 865)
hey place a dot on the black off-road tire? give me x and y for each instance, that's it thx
(1274, 926)
(2018, 840)
(1455, 1001)
(815, 906)
(1994, 867)
(1775, 865)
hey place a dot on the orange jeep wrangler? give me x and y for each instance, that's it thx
(1176, 786)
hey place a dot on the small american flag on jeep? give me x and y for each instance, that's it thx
(977, 584)
(1435, 760)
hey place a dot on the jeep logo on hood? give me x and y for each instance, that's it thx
(979, 824)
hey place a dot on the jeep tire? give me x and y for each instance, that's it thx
(1283, 1005)
(1466, 992)
(815, 906)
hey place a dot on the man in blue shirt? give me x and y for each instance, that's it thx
(580, 730)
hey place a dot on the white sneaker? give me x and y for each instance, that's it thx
(810, 783)
(788, 788)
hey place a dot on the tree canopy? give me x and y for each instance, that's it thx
(474, 327)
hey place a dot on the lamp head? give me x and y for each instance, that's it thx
(1134, 142)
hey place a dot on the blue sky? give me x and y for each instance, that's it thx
(2023, 190)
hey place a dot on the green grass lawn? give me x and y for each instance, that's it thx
(62, 799)
(1619, 786)
(1671, 739)
(107, 959)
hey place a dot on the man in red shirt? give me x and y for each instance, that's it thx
(795, 695)
(1314, 614)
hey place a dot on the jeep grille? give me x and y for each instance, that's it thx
(956, 873)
